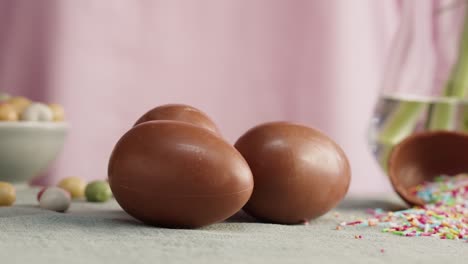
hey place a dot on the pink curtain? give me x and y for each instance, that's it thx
(241, 61)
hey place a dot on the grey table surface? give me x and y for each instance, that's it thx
(103, 233)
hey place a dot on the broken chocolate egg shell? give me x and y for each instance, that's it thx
(424, 156)
(181, 113)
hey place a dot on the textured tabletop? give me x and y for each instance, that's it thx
(102, 233)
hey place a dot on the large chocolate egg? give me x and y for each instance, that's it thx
(175, 174)
(299, 172)
(179, 112)
(424, 156)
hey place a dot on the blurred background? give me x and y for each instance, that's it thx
(318, 62)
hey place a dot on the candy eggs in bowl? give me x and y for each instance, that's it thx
(32, 135)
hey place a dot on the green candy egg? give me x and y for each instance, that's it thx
(98, 191)
(4, 96)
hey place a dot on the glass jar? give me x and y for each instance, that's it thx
(426, 78)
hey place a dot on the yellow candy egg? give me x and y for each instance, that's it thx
(19, 103)
(7, 194)
(8, 113)
(74, 185)
(58, 112)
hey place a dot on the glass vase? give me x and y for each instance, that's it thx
(425, 82)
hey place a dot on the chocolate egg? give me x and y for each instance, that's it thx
(299, 172)
(179, 112)
(175, 174)
(424, 156)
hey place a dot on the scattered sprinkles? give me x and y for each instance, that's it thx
(444, 215)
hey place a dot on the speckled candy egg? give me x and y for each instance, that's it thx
(19, 103)
(98, 191)
(175, 174)
(58, 113)
(299, 172)
(37, 112)
(8, 112)
(39, 194)
(55, 199)
(4, 97)
(7, 194)
(74, 185)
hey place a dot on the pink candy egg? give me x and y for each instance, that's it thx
(39, 194)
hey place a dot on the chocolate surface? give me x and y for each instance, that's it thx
(179, 112)
(175, 174)
(424, 156)
(299, 172)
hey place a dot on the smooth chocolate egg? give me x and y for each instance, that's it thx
(179, 112)
(299, 172)
(174, 174)
(424, 156)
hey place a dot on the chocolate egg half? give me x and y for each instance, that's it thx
(175, 174)
(424, 156)
(179, 112)
(299, 172)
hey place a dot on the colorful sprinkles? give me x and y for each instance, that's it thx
(445, 214)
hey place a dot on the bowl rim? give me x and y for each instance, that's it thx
(34, 124)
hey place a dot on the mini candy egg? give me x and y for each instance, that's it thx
(98, 191)
(299, 173)
(58, 113)
(7, 194)
(174, 174)
(4, 97)
(19, 103)
(55, 199)
(74, 185)
(37, 112)
(8, 113)
(179, 112)
(39, 194)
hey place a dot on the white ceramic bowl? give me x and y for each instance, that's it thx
(28, 148)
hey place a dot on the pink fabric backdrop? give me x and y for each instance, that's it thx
(243, 62)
